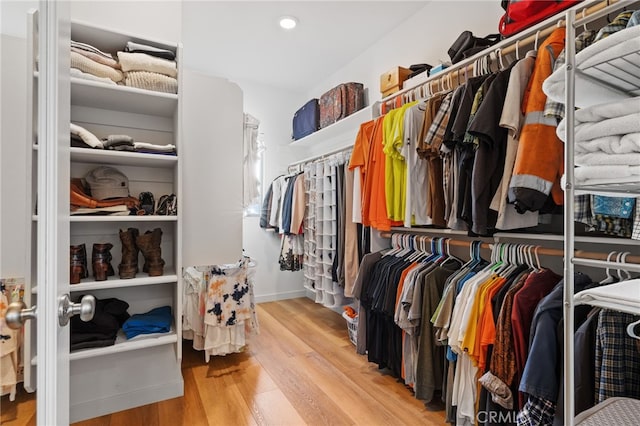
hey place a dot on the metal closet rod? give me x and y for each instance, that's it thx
(450, 77)
(317, 157)
(541, 251)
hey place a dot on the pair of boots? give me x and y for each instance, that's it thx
(147, 243)
(100, 260)
(132, 243)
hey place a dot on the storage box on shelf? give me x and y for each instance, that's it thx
(391, 81)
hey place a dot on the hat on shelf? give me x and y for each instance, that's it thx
(107, 182)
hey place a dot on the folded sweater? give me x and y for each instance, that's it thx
(85, 64)
(144, 62)
(75, 72)
(157, 320)
(151, 81)
(110, 62)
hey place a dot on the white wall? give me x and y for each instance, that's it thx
(274, 108)
(13, 156)
(423, 38)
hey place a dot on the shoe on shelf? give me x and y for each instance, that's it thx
(78, 264)
(128, 267)
(167, 205)
(149, 245)
(147, 202)
(101, 261)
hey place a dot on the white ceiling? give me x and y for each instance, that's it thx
(242, 39)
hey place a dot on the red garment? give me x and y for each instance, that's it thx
(525, 301)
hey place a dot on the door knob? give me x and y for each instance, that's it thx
(66, 309)
(17, 314)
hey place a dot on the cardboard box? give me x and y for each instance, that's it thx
(391, 81)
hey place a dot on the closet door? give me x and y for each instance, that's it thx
(52, 227)
(212, 128)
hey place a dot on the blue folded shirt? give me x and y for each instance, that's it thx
(157, 320)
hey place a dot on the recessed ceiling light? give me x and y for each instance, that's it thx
(288, 22)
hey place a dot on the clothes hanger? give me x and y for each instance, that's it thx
(538, 264)
(517, 50)
(622, 259)
(535, 45)
(610, 279)
(584, 15)
(631, 330)
(500, 59)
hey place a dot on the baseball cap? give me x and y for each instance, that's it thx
(107, 182)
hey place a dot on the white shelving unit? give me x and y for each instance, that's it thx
(609, 76)
(144, 369)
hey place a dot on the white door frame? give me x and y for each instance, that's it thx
(53, 212)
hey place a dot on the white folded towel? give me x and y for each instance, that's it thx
(143, 62)
(625, 295)
(606, 159)
(615, 144)
(589, 92)
(595, 175)
(85, 64)
(616, 118)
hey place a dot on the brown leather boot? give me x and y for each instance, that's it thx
(101, 261)
(78, 264)
(149, 245)
(128, 267)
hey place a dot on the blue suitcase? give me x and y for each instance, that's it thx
(306, 120)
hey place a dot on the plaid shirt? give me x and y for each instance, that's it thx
(636, 222)
(435, 134)
(537, 412)
(583, 210)
(617, 357)
(556, 109)
(620, 23)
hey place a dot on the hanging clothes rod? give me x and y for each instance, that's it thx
(451, 77)
(601, 258)
(317, 157)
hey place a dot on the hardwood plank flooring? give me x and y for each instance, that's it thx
(300, 370)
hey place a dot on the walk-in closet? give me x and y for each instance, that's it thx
(311, 212)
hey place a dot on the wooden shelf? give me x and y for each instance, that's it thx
(345, 129)
(100, 156)
(123, 218)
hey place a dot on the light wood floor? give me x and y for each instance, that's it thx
(301, 369)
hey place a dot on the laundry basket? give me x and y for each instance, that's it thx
(352, 327)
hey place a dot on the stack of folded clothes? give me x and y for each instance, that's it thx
(82, 138)
(90, 63)
(109, 316)
(147, 67)
(157, 320)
